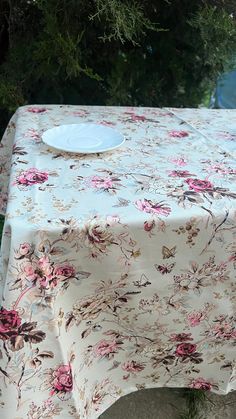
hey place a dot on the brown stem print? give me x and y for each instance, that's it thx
(215, 231)
(21, 296)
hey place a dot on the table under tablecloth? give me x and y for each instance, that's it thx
(118, 268)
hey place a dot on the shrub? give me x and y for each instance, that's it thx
(117, 52)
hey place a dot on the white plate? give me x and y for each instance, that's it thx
(83, 138)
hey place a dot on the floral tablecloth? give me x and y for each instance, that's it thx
(118, 269)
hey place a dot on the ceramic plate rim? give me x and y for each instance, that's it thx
(79, 151)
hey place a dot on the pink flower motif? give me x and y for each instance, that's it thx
(36, 109)
(199, 185)
(64, 270)
(150, 207)
(178, 134)
(48, 404)
(185, 349)
(80, 113)
(25, 249)
(44, 282)
(224, 330)
(62, 380)
(136, 118)
(9, 322)
(179, 161)
(32, 177)
(107, 123)
(148, 226)
(194, 319)
(180, 173)
(29, 271)
(232, 258)
(181, 337)
(32, 133)
(45, 265)
(132, 366)
(99, 182)
(104, 348)
(221, 169)
(40, 272)
(45, 273)
(200, 384)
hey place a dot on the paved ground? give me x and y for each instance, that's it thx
(168, 404)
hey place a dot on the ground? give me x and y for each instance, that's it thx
(169, 404)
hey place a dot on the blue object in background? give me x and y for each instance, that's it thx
(225, 93)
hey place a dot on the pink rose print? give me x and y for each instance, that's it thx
(28, 271)
(179, 134)
(44, 271)
(32, 177)
(199, 185)
(201, 384)
(44, 264)
(180, 173)
(181, 337)
(132, 366)
(9, 323)
(36, 110)
(185, 349)
(40, 272)
(64, 271)
(99, 182)
(14, 333)
(194, 319)
(150, 207)
(61, 380)
(148, 226)
(105, 348)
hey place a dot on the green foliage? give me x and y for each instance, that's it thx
(123, 21)
(196, 401)
(216, 29)
(118, 52)
(182, 64)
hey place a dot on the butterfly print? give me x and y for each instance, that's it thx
(168, 253)
(164, 269)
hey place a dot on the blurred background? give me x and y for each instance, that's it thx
(117, 52)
